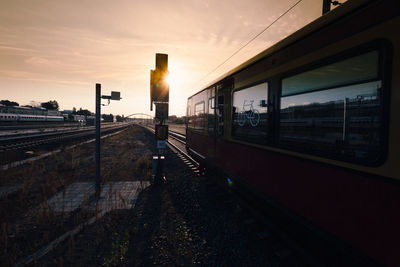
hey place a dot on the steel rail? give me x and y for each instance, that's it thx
(173, 134)
(26, 142)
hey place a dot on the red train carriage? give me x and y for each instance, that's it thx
(312, 123)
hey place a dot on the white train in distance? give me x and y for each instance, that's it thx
(29, 114)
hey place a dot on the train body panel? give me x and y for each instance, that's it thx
(202, 145)
(8, 117)
(312, 124)
(357, 209)
(29, 117)
(54, 118)
(28, 114)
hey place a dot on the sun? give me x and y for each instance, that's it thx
(179, 75)
(168, 79)
(179, 79)
(174, 78)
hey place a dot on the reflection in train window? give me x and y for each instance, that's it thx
(344, 120)
(250, 114)
(199, 113)
(210, 115)
(196, 111)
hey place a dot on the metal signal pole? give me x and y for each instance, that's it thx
(159, 95)
(97, 153)
(114, 96)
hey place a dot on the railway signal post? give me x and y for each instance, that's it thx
(159, 95)
(114, 96)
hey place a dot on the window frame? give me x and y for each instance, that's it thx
(211, 120)
(199, 96)
(202, 129)
(269, 127)
(384, 49)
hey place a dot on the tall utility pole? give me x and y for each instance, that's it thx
(114, 96)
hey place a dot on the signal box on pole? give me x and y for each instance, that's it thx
(161, 132)
(161, 111)
(159, 94)
(159, 87)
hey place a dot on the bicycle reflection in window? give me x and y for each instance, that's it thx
(252, 115)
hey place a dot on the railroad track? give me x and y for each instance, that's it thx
(16, 142)
(177, 143)
(178, 136)
(234, 194)
(40, 125)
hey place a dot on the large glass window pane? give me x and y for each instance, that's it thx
(352, 70)
(250, 114)
(344, 121)
(199, 114)
(190, 117)
(211, 115)
(197, 118)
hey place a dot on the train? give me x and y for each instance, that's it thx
(16, 114)
(311, 126)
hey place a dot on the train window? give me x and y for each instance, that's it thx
(199, 108)
(211, 115)
(349, 71)
(250, 114)
(198, 116)
(189, 114)
(199, 112)
(219, 111)
(335, 110)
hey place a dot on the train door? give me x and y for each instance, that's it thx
(212, 121)
(220, 115)
(223, 105)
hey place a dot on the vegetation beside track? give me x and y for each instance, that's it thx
(27, 223)
(187, 221)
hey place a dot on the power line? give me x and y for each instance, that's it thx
(237, 51)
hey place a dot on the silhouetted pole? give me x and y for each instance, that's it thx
(326, 6)
(97, 155)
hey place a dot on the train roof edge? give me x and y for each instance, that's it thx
(335, 14)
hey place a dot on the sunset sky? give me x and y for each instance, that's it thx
(58, 50)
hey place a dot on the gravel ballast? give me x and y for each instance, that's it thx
(185, 221)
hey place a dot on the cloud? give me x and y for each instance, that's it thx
(13, 48)
(83, 42)
(42, 62)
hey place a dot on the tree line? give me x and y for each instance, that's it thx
(53, 105)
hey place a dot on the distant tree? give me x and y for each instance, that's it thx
(120, 118)
(52, 104)
(83, 112)
(9, 103)
(180, 120)
(74, 110)
(108, 117)
(172, 118)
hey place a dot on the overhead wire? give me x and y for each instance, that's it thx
(251, 40)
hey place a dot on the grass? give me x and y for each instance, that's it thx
(123, 158)
(119, 248)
